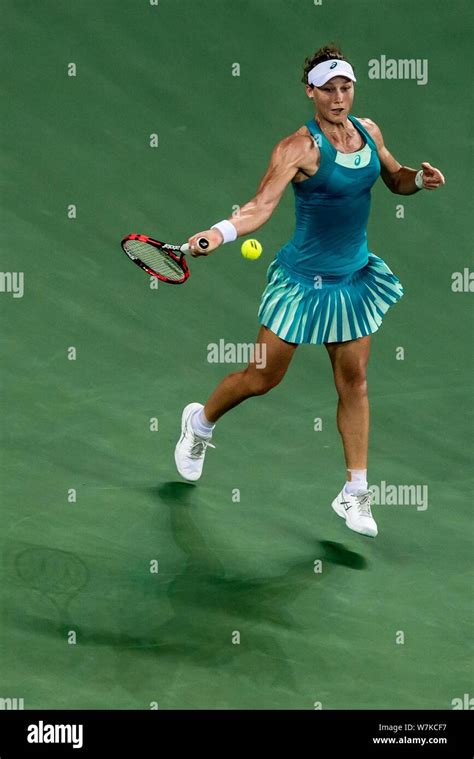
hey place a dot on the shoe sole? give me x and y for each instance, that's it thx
(186, 412)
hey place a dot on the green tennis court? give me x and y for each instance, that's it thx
(123, 586)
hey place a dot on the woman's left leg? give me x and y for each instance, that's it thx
(349, 362)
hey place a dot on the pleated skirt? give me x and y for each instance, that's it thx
(328, 309)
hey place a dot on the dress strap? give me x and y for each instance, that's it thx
(369, 139)
(315, 131)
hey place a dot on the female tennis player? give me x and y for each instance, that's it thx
(324, 285)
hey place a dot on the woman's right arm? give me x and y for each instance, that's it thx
(287, 157)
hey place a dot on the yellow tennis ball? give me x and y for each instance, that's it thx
(251, 249)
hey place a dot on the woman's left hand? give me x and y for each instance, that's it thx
(432, 178)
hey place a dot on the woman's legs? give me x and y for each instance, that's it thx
(254, 380)
(349, 362)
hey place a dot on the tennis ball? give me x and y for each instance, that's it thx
(251, 249)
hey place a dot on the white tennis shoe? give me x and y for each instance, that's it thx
(355, 509)
(191, 448)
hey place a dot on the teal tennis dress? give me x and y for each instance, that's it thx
(324, 285)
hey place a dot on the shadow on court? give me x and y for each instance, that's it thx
(181, 494)
(190, 616)
(209, 603)
(336, 553)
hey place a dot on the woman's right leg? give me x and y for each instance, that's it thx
(255, 379)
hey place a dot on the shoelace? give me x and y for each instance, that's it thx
(198, 448)
(364, 499)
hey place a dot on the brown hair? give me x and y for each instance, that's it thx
(326, 53)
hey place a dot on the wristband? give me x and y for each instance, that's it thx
(227, 230)
(419, 179)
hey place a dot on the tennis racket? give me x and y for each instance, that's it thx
(160, 259)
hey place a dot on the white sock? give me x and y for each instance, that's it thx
(357, 482)
(201, 425)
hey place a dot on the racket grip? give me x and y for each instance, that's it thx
(202, 242)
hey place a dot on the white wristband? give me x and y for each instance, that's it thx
(419, 179)
(227, 230)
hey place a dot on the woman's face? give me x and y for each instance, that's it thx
(333, 100)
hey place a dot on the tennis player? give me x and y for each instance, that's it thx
(324, 285)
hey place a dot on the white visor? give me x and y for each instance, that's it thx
(326, 70)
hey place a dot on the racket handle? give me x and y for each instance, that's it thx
(202, 242)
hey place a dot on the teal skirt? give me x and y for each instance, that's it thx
(331, 308)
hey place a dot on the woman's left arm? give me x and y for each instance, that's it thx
(401, 179)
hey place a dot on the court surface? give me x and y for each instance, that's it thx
(90, 494)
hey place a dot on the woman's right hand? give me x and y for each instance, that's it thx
(214, 238)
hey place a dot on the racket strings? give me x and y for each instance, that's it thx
(155, 258)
